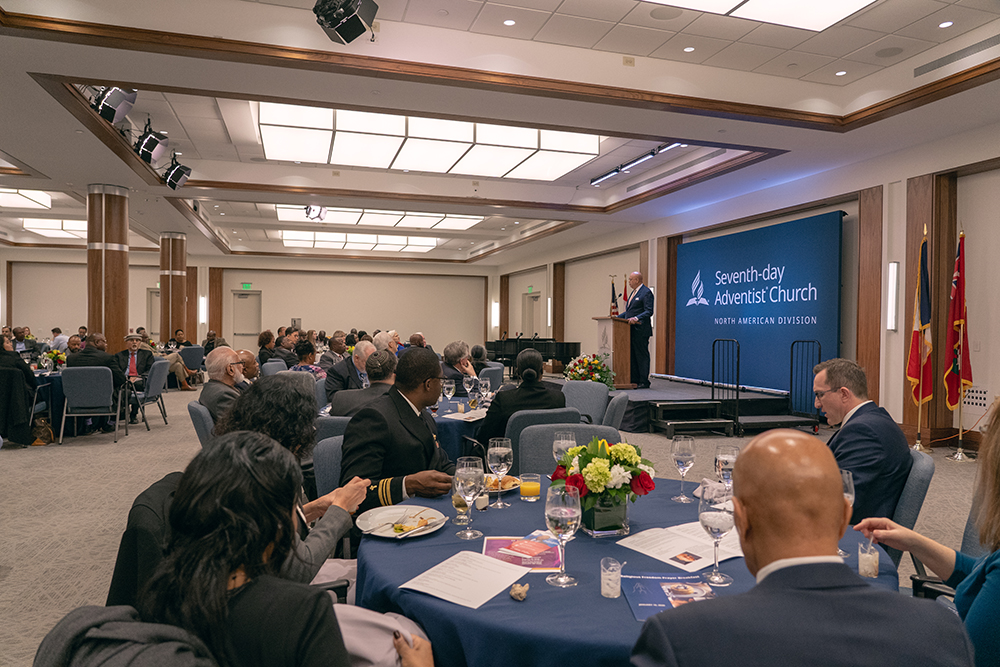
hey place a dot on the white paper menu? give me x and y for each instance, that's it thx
(687, 546)
(468, 578)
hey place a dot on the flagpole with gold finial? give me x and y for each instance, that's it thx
(960, 454)
(918, 445)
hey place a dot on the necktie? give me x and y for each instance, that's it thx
(131, 365)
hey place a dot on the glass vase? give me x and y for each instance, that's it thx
(607, 518)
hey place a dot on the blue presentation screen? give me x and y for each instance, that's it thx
(766, 288)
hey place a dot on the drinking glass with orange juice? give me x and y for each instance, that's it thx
(531, 487)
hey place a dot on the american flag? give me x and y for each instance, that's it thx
(614, 299)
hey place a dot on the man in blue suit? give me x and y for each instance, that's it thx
(869, 443)
(808, 607)
(639, 313)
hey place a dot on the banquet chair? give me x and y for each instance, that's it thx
(15, 413)
(156, 384)
(615, 411)
(495, 375)
(522, 419)
(193, 356)
(42, 406)
(273, 367)
(327, 457)
(912, 497)
(86, 389)
(536, 443)
(590, 398)
(203, 422)
(329, 427)
(321, 401)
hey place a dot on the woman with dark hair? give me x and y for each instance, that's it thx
(232, 525)
(265, 341)
(531, 394)
(277, 407)
(306, 353)
(478, 358)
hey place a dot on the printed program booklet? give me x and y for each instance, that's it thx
(539, 550)
(687, 546)
(649, 593)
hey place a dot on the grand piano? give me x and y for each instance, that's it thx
(506, 350)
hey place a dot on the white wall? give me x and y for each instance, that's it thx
(537, 279)
(588, 293)
(444, 308)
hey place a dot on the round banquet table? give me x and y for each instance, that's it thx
(452, 431)
(553, 626)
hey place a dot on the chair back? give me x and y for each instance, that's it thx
(615, 411)
(272, 367)
(912, 497)
(321, 393)
(157, 380)
(203, 422)
(326, 462)
(590, 398)
(495, 375)
(971, 546)
(524, 418)
(88, 387)
(143, 542)
(192, 355)
(535, 453)
(329, 427)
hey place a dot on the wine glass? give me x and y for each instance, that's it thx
(484, 387)
(563, 441)
(468, 483)
(725, 459)
(562, 517)
(448, 387)
(715, 512)
(500, 456)
(682, 451)
(847, 478)
(468, 382)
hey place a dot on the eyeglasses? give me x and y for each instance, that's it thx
(820, 394)
(238, 363)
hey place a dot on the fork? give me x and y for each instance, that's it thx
(388, 523)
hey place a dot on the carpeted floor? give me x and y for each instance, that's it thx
(63, 510)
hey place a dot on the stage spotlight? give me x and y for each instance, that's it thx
(114, 103)
(176, 174)
(345, 20)
(151, 146)
(316, 213)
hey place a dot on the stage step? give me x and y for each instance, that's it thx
(764, 422)
(671, 426)
(671, 416)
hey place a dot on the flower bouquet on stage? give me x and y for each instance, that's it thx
(593, 367)
(607, 476)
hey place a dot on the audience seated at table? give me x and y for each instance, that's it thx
(284, 349)
(381, 370)
(336, 353)
(531, 394)
(305, 351)
(59, 340)
(180, 340)
(350, 373)
(25, 346)
(15, 397)
(393, 440)
(455, 365)
(976, 581)
(478, 358)
(250, 368)
(419, 340)
(73, 345)
(95, 354)
(808, 607)
(265, 344)
(135, 363)
(384, 341)
(212, 341)
(225, 372)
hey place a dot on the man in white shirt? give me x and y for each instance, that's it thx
(60, 341)
(808, 607)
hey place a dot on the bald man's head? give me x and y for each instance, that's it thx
(788, 498)
(250, 368)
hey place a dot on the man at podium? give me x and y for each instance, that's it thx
(639, 313)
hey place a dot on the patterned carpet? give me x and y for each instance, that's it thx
(63, 510)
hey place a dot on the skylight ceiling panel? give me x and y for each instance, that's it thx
(294, 115)
(816, 16)
(370, 123)
(429, 155)
(292, 144)
(549, 165)
(435, 128)
(381, 218)
(504, 135)
(490, 161)
(420, 220)
(364, 150)
(573, 142)
(458, 222)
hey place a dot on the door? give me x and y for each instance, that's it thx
(246, 320)
(531, 315)
(153, 313)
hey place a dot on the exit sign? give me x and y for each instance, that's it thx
(247, 285)
(530, 289)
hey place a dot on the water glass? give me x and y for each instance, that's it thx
(500, 457)
(682, 451)
(715, 513)
(563, 441)
(611, 578)
(468, 382)
(562, 518)
(468, 483)
(847, 479)
(725, 459)
(531, 486)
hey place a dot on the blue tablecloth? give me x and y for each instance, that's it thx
(451, 431)
(553, 626)
(53, 392)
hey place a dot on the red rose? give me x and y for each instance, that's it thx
(577, 481)
(560, 473)
(642, 484)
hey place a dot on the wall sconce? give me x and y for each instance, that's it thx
(495, 314)
(892, 298)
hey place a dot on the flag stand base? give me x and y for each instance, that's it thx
(918, 447)
(960, 456)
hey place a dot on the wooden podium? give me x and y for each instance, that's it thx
(614, 338)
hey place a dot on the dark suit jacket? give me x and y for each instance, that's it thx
(386, 441)
(641, 306)
(143, 361)
(451, 373)
(328, 359)
(347, 402)
(286, 355)
(31, 346)
(875, 450)
(528, 396)
(91, 356)
(218, 397)
(342, 375)
(264, 354)
(820, 614)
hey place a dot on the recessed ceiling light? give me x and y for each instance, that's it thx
(946, 24)
(688, 49)
(503, 229)
(512, 22)
(841, 73)
(221, 213)
(516, 222)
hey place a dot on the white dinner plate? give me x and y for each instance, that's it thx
(517, 485)
(379, 520)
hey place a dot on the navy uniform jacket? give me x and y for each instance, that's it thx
(641, 306)
(818, 614)
(875, 450)
(387, 441)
